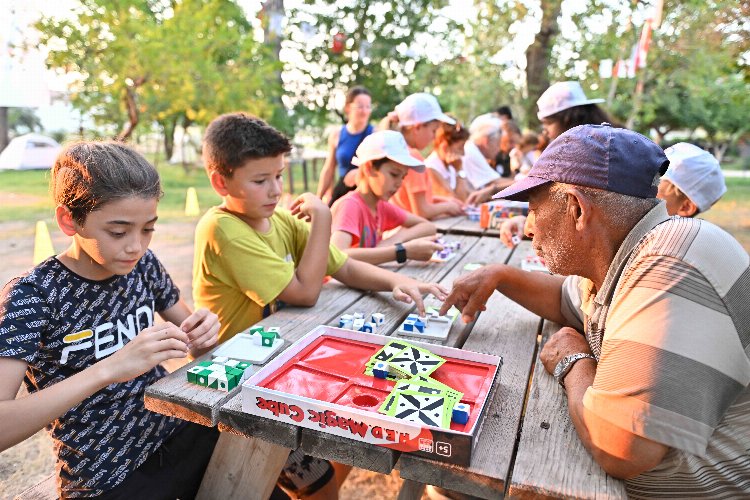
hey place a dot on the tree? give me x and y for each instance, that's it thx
(374, 42)
(23, 121)
(107, 43)
(177, 62)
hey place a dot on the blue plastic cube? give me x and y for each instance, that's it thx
(419, 326)
(380, 370)
(460, 413)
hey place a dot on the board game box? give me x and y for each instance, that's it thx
(494, 213)
(319, 383)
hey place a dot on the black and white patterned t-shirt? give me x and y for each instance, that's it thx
(60, 323)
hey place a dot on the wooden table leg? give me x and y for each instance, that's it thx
(242, 468)
(411, 490)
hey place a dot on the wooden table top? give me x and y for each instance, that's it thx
(527, 445)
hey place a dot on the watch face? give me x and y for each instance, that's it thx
(560, 368)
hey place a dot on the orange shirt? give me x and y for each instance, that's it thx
(414, 182)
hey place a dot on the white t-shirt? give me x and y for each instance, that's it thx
(447, 172)
(478, 171)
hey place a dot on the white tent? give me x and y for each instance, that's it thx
(29, 151)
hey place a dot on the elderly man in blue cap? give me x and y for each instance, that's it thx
(653, 356)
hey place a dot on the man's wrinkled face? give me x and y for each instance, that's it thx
(551, 231)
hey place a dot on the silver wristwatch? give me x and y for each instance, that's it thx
(565, 364)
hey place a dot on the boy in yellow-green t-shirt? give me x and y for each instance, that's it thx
(249, 255)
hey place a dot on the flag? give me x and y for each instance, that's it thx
(643, 45)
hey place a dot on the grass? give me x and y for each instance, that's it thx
(25, 197)
(25, 193)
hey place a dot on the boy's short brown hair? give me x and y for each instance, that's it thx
(233, 138)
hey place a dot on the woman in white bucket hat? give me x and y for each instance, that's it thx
(564, 106)
(561, 107)
(418, 118)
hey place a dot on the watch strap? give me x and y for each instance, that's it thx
(400, 253)
(566, 364)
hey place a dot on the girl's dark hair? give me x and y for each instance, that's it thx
(88, 174)
(376, 164)
(354, 92)
(587, 114)
(451, 134)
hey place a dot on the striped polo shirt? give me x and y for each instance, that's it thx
(670, 328)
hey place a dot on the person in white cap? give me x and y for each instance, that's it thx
(418, 117)
(561, 107)
(362, 216)
(564, 106)
(693, 182)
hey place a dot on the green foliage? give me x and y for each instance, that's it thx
(693, 79)
(185, 59)
(376, 53)
(23, 120)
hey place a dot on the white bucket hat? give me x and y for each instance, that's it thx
(386, 144)
(560, 96)
(696, 173)
(421, 108)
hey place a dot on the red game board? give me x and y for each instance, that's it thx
(319, 383)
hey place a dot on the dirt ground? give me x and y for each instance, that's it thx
(30, 462)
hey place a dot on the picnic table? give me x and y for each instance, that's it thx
(527, 445)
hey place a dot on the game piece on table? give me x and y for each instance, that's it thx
(378, 318)
(358, 315)
(346, 321)
(435, 327)
(257, 347)
(460, 413)
(450, 249)
(415, 361)
(267, 338)
(358, 325)
(515, 239)
(389, 350)
(224, 376)
(380, 369)
(255, 329)
(370, 327)
(420, 408)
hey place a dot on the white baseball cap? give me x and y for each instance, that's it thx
(560, 96)
(421, 108)
(696, 173)
(386, 144)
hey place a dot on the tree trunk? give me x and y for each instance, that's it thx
(3, 127)
(186, 122)
(538, 58)
(168, 128)
(132, 104)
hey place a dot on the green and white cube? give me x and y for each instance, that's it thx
(219, 374)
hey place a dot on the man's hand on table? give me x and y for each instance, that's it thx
(564, 342)
(471, 292)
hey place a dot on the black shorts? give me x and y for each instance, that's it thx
(175, 470)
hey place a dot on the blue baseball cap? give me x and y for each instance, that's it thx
(597, 156)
